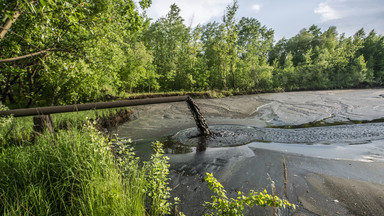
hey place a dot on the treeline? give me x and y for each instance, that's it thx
(92, 50)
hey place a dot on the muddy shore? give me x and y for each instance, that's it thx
(344, 176)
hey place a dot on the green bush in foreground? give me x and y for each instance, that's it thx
(225, 206)
(154, 175)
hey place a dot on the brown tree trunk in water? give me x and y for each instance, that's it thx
(201, 124)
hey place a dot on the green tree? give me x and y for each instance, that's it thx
(165, 38)
(229, 48)
(299, 45)
(373, 52)
(211, 39)
(284, 76)
(48, 53)
(255, 41)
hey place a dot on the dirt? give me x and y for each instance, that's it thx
(107, 124)
(358, 197)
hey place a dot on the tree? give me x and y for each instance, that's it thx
(373, 52)
(255, 41)
(48, 51)
(165, 38)
(285, 75)
(211, 39)
(229, 47)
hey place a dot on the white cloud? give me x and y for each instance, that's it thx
(194, 12)
(351, 15)
(327, 12)
(256, 7)
(346, 15)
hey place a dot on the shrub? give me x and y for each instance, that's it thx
(223, 205)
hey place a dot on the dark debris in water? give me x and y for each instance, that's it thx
(235, 135)
(324, 123)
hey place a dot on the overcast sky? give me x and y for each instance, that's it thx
(286, 17)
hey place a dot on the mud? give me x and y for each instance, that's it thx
(332, 170)
(234, 135)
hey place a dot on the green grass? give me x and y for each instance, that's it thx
(75, 171)
(19, 131)
(71, 172)
(15, 131)
(198, 94)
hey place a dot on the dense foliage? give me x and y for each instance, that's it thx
(58, 52)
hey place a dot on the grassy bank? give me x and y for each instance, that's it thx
(195, 94)
(74, 171)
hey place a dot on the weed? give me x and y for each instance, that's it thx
(223, 205)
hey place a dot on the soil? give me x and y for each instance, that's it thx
(107, 124)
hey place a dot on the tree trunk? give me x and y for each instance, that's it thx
(223, 78)
(233, 76)
(8, 24)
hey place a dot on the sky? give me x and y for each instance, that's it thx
(285, 17)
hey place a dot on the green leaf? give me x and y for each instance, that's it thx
(43, 2)
(30, 5)
(9, 16)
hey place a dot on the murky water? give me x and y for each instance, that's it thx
(245, 119)
(342, 158)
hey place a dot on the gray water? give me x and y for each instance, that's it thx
(252, 134)
(246, 120)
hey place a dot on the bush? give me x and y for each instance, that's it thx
(222, 205)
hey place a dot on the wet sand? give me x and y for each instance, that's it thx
(342, 177)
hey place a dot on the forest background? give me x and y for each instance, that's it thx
(55, 52)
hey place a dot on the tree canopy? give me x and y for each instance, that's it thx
(65, 51)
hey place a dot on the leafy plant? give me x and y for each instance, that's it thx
(150, 178)
(223, 205)
(157, 177)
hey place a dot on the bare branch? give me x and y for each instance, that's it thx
(8, 24)
(26, 56)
